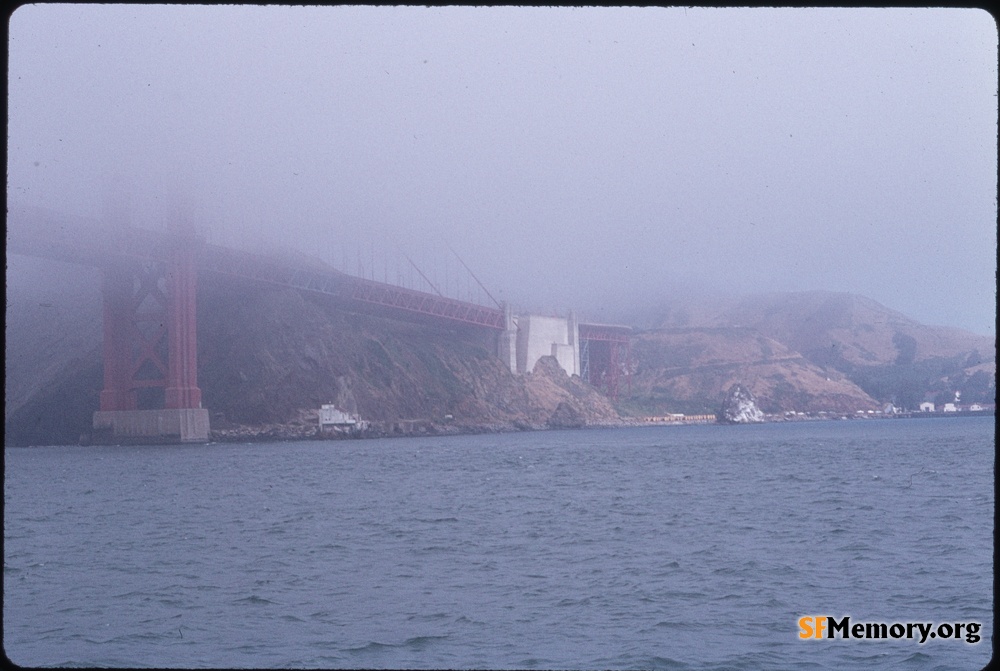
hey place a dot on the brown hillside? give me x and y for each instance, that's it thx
(689, 370)
(271, 354)
(830, 328)
(890, 356)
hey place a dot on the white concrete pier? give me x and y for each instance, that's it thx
(539, 336)
(152, 426)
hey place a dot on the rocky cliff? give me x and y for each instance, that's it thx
(271, 355)
(739, 407)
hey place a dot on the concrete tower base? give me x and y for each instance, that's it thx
(189, 425)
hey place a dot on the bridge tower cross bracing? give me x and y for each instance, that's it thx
(150, 309)
(150, 341)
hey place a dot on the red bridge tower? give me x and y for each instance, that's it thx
(151, 350)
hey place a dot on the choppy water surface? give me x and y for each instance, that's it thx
(671, 547)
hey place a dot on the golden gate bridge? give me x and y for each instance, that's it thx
(149, 290)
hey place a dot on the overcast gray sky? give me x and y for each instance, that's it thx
(575, 158)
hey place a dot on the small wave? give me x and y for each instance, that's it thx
(917, 658)
(461, 619)
(150, 636)
(534, 663)
(855, 547)
(684, 595)
(432, 616)
(641, 662)
(756, 660)
(176, 603)
(729, 597)
(251, 647)
(373, 646)
(253, 598)
(421, 642)
(671, 624)
(73, 664)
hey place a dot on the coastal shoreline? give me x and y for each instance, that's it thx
(420, 428)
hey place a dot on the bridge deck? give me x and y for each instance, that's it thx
(47, 234)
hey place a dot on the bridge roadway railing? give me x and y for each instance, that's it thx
(419, 302)
(348, 288)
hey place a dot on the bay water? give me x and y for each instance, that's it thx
(680, 547)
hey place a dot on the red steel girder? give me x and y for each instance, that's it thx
(605, 332)
(419, 302)
(334, 283)
(609, 351)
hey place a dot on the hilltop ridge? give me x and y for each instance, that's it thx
(886, 355)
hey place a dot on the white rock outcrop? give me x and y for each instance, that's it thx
(740, 407)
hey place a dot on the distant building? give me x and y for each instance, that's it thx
(330, 415)
(949, 407)
(926, 406)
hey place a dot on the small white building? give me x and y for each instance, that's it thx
(949, 407)
(926, 406)
(330, 415)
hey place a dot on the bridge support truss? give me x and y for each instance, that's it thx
(606, 357)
